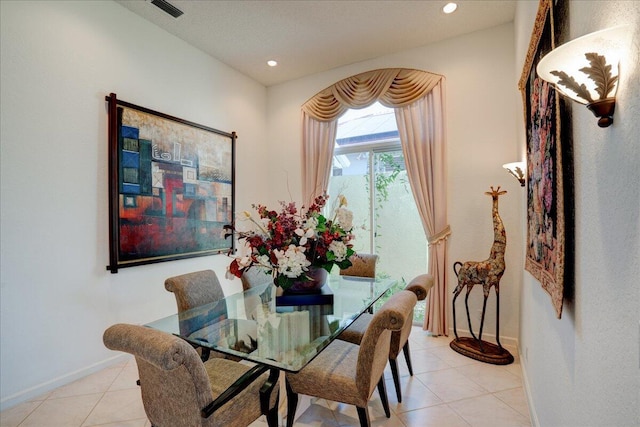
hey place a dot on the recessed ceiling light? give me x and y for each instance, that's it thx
(449, 8)
(272, 63)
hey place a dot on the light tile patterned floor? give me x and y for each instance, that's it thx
(447, 390)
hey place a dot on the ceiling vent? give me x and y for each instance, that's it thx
(167, 7)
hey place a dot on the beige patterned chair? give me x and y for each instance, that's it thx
(195, 289)
(178, 389)
(420, 286)
(348, 373)
(363, 265)
(254, 276)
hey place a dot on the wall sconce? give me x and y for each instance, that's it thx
(517, 170)
(586, 70)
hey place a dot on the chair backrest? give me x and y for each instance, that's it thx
(374, 347)
(420, 286)
(194, 289)
(363, 265)
(173, 381)
(253, 277)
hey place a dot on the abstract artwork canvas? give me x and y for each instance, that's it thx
(171, 187)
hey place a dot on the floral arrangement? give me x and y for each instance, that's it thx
(288, 243)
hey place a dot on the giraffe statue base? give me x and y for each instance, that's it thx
(482, 350)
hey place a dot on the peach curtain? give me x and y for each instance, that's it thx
(422, 135)
(317, 152)
(418, 99)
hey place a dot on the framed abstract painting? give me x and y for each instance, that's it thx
(171, 187)
(549, 164)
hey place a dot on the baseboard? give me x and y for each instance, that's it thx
(527, 391)
(40, 389)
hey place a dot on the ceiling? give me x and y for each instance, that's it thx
(308, 37)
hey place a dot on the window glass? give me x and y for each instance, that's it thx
(369, 169)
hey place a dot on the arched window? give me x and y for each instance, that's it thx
(417, 98)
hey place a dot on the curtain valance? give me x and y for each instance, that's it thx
(393, 87)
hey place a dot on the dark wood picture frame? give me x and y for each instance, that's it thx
(171, 187)
(549, 163)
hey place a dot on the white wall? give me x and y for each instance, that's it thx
(583, 370)
(481, 126)
(59, 60)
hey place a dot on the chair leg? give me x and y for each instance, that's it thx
(382, 391)
(272, 415)
(267, 389)
(407, 357)
(396, 378)
(363, 416)
(292, 404)
(205, 354)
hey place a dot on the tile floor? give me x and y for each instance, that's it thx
(447, 389)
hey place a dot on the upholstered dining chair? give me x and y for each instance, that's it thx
(253, 277)
(420, 286)
(348, 373)
(179, 389)
(363, 265)
(195, 289)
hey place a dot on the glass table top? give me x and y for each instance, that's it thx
(283, 332)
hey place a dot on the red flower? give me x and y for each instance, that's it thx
(234, 268)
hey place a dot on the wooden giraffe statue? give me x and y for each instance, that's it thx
(486, 273)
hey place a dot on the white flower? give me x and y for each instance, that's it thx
(344, 217)
(243, 258)
(339, 249)
(292, 262)
(264, 261)
(304, 235)
(245, 261)
(244, 254)
(244, 248)
(311, 223)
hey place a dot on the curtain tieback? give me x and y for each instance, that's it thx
(441, 236)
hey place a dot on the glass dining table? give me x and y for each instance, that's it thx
(277, 333)
(283, 332)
